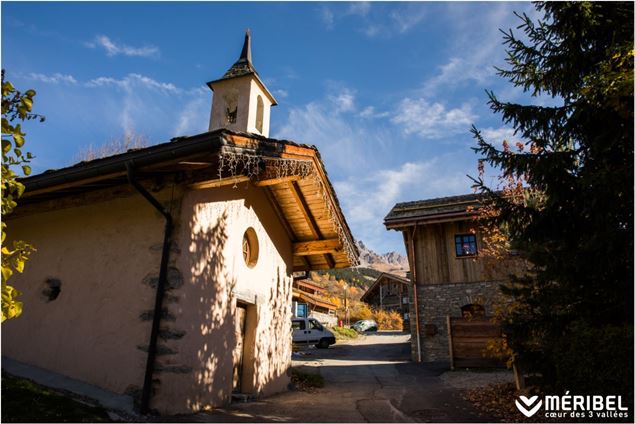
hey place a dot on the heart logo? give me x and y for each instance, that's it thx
(525, 406)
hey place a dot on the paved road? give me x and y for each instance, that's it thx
(367, 380)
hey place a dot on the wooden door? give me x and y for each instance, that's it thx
(241, 313)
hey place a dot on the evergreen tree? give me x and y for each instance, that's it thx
(568, 204)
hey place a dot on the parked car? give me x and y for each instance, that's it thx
(365, 325)
(310, 331)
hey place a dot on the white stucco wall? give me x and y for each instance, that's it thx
(215, 278)
(101, 252)
(105, 252)
(246, 90)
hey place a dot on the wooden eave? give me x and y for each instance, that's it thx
(304, 283)
(401, 224)
(304, 209)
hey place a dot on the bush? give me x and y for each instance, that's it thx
(388, 320)
(359, 311)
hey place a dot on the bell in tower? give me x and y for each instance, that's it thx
(241, 101)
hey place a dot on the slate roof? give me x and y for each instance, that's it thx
(421, 210)
(243, 67)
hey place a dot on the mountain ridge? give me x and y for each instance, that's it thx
(388, 262)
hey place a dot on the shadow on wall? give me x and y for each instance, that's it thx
(214, 314)
(196, 369)
(273, 350)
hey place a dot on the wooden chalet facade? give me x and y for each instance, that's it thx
(309, 299)
(390, 293)
(449, 277)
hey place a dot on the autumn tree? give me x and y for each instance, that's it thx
(566, 203)
(16, 108)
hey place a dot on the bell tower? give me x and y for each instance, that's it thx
(241, 101)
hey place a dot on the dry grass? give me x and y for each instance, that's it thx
(129, 141)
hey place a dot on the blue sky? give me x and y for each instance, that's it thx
(386, 91)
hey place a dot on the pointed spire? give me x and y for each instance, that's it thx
(245, 55)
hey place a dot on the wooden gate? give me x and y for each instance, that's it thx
(467, 339)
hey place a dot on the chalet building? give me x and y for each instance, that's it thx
(165, 273)
(390, 293)
(310, 299)
(450, 279)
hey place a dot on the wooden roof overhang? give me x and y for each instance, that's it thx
(432, 211)
(304, 283)
(384, 276)
(305, 201)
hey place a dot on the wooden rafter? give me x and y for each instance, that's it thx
(276, 181)
(283, 220)
(294, 188)
(316, 247)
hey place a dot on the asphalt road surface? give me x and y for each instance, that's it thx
(370, 379)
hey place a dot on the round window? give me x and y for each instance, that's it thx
(250, 247)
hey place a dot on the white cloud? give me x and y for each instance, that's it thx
(429, 121)
(194, 117)
(114, 49)
(56, 78)
(367, 199)
(146, 99)
(132, 80)
(281, 93)
(359, 8)
(469, 62)
(344, 101)
(374, 21)
(369, 112)
(328, 17)
(497, 135)
(404, 19)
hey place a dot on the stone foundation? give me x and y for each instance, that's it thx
(436, 302)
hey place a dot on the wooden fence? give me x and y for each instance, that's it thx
(467, 341)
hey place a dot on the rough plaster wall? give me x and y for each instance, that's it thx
(105, 254)
(198, 374)
(242, 88)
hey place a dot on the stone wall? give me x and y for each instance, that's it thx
(326, 319)
(436, 302)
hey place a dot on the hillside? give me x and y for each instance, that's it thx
(355, 281)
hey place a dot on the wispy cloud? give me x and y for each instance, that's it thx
(374, 20)
(369, 112)
(470, 63)
(132, 80)
(367, 198)
(193, 119)
(344, 100)
(328, 17)
(281, 93)
(55, 78)
(406, 18)
(430, 121)
(497, 135)
(114, 49)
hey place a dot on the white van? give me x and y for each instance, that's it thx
(310, 331)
